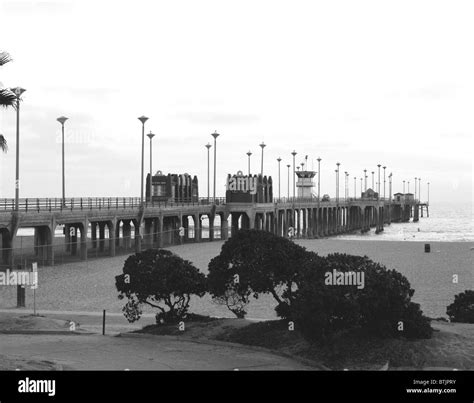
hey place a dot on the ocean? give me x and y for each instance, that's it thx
(446, 223)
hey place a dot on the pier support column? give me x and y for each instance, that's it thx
(84, 228)
(212, 218)
(197, 228)
(117, 233)
(127, 234)
(148, 233)
(224, 227)
(67, 237)
(160, 231)
(138, 236)
(111, 227)
(101, 236)
(94, 234)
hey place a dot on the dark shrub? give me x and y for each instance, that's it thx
(462, 309)
(382, 307)
(160, 279)
(254, 262)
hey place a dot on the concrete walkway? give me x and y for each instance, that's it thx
(96, 352)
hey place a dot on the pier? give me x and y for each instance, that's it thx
(111, 225)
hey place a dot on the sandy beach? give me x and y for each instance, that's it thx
(90, 285)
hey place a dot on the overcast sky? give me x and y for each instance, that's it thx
(359, 82)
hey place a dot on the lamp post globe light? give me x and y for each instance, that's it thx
(208, 146)
(215, 135)
(346, 185)
(319, 179)
(18, 91)
(279, 182)
(262, 145)
(384, 181)
(150, 187)
(378, 185)
(294, 173)
(419, 189)
(142, 119)
(62, 120)
(288, 181)
(249, 153)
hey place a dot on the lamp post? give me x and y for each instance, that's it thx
(337, 181)
(262, 145)
(150, 187)
(408, 184)
(62, 120)
(215, 135)
(403, 187)
(288, 181)
(384, 182)
(390, 198)
(142, 119)
(428, 193)
(419, 189)
(17, 91)
(365, 179)
(373, 180)
(294, 173)
(319, 179)
(347, 185)
(208, 146)
(415, 187)
(249, 153)
(361, 188)
(378, 165)
(355, 187)
(279, 182)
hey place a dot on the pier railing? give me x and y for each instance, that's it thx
(108, 203)
(98, 203)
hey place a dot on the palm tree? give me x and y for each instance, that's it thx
(3, 144)
(7, 98)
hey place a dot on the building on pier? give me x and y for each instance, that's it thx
(172, 188)
(404, 197)
(242, 188)
(370, 194)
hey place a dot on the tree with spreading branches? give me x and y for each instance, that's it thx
(162, 280)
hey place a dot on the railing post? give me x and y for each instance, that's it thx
(26, 205)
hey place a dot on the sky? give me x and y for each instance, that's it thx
(356, 82)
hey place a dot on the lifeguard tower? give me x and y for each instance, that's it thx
(305, 184)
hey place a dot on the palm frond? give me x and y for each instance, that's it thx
(3, 144)
(4, 58)
(7, 98)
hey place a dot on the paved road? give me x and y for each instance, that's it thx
(96, 352)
